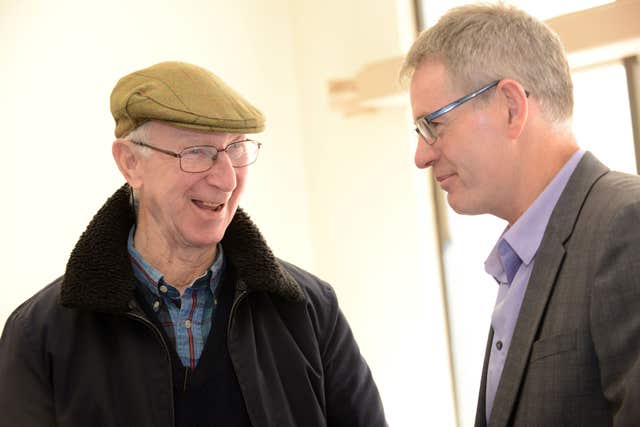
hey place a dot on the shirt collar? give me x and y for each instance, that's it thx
(147, 274)
(525, 235)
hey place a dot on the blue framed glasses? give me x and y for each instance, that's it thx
(424, 126)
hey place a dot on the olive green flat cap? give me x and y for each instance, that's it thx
(182, 95)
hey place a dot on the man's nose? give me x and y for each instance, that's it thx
(222, 174)
(425, 154)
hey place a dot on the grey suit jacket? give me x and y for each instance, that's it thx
(574, 358)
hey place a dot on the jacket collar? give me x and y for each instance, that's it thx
(99, 276)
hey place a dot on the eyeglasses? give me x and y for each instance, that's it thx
(201, 158)
(426, 128)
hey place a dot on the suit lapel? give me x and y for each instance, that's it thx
(540, 284)
(548, 261)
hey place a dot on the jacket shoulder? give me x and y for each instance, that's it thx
(35, 314)
(315, 290)
(614, 196)
(618, 188)
(319, 300)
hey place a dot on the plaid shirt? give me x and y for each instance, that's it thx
(186, 319)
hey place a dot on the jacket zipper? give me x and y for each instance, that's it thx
(167, 352)
(235, 304)
(239, 298)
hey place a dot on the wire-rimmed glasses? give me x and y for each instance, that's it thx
(200, 158)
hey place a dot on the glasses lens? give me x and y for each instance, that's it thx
(243, 153)
(426, 130)
(198, 159)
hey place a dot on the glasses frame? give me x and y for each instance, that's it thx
(429, 134)
(180, 155)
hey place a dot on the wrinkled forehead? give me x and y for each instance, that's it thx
(167, 133)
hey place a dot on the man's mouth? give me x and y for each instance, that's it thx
(441, 178)
(212, 206)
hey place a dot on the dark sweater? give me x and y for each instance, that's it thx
(208, 395)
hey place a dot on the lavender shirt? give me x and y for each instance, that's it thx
(510, 263)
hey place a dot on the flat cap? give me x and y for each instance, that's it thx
(182, 95)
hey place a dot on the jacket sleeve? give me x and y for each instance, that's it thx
(615, 315)
(352, 396)
(25, 388)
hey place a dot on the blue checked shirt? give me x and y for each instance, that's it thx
(186, 319)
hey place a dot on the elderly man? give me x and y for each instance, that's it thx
(172, 310)
(491, 95)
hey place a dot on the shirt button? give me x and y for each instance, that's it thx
(156, 306)
(499, 345)
(187, 324)
(163, 289)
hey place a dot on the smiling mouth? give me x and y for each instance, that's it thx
(443, 177)
(211, 206)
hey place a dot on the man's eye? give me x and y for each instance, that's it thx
(237, 147)
(199, 152)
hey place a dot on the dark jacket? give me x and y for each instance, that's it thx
(81, 352)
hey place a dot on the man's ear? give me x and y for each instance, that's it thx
(515, 99)
(128, 161)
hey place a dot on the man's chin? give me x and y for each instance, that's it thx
(461, 206)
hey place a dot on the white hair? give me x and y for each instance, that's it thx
(141, 134)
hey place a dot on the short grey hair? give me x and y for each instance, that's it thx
(482, 42)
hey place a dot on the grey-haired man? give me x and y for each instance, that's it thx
(492, 99)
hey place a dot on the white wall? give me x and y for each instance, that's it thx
(371, 219)
(337, 195)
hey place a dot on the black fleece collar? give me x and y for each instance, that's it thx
(99, 275)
